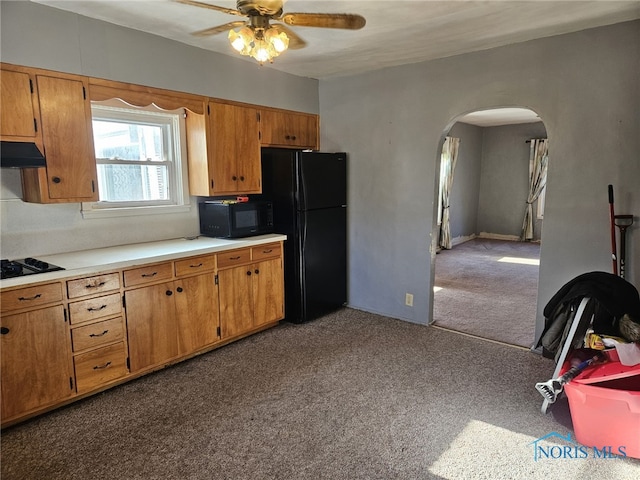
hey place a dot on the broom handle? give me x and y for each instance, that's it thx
(614, 255)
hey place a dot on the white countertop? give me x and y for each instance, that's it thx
(87, 262)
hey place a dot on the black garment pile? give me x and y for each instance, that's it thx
(611, 298)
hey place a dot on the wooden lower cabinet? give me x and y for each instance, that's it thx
(64, 340)
(151, 325)
(251, 296)
(268, 292)
(197, 313)
(36, 371)
(97, 367)
(236, 312)
(170, 320)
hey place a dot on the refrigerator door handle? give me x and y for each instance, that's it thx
(303, 240)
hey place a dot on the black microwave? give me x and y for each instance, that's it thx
(224, 219)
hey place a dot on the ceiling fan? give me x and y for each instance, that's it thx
(260, 39)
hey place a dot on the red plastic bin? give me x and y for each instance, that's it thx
(605, 408)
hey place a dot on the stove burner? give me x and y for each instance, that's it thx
(28, 266)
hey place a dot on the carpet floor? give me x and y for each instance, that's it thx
(351, 395)
(488, 288)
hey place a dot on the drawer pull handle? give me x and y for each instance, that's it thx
(235, 258)
(92, 309)
(95, 285)
(145, 275)
(27, 299)
(100, 367)
(196, 266)
(267, 251)
(99, 334)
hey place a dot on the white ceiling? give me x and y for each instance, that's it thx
(397, 31)
(500, 116)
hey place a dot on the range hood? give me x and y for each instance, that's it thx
(20, 155)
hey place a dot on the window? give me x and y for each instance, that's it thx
(139, 154)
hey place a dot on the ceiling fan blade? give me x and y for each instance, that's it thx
(194, 3)
(218, 29)
(325, 20)
(295, 42)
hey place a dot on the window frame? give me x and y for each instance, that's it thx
(173, 123)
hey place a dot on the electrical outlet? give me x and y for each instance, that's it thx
(408, 300)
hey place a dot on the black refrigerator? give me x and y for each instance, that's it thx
(309, 195)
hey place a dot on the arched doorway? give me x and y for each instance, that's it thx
(486, 282)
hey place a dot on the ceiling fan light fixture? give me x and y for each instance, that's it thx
(260, 40)
(258, 43)
(278, 40)
(241, 40)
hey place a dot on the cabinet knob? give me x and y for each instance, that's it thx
(234, 178)
(56, 180)
(169, 293)
(249, 272)
(257, 271)
(4, 330)
(241, 178)
(179, 289)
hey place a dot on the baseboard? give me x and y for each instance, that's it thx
(499, 236)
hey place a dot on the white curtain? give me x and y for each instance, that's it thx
(447, 168)
(538, 161)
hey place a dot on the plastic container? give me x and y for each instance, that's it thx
(605, 408)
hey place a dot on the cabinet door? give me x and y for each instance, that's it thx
(234, 149)
(19, 116)
(197, 312)
(307, 128)
(236, 316)
(268, 291)
(151, 325)
(68, 139)
(289, 129)
(35, 360)
(222, 148)
(248, 151)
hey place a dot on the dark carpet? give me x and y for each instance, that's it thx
(349, 396)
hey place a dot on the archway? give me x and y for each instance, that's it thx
(486, 283)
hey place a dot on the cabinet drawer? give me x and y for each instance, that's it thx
(91, 285)
(30, 296)
(98, 367)
(95, 308)
(206, 263)
(148, 274)
(234, 257)
(270, 250)
(97, 334)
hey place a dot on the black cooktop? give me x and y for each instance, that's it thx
(26, 266)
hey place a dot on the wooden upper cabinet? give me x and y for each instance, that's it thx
(70, 174)
(282, 128)
(224, 150)
(19, 108)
